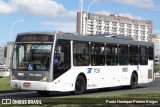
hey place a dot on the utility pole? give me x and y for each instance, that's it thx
(80, 9)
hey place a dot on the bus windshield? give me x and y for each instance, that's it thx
(31, 57)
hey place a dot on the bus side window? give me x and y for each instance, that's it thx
(62, 53)
(134, 60)
(78, 60)
(123, 55)
(150, 53)
(143, 51)
(97, 54)
(111, 54)
(81, 53)
(62, 57)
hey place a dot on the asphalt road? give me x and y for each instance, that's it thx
(149, 87)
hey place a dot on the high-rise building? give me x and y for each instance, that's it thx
(2, 58)
(9, 47)
(5, 58)
(156, 41)
(114, 24)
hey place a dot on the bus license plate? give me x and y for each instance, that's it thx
(26, 84)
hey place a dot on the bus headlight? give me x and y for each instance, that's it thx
(13, 77)
(45, 78)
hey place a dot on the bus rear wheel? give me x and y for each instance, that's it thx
(80, 85)
(43, 93)
(134, 81)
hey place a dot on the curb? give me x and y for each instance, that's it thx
(156, 74)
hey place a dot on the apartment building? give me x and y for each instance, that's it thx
(9, 46)
(156, 41)
(113, 24)
(2, 58)
(5, 59)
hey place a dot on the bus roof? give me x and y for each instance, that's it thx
(98, 38)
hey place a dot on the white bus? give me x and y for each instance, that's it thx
(47, 61)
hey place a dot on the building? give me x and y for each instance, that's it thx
(156, 40)
(5, 57)
(2, 58)
(9, 48)
(113, 24)
(3, 66)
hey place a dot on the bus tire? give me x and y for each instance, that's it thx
(43, 93)
(134, 81)
(80, 85)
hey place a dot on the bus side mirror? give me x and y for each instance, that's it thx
(5, 52)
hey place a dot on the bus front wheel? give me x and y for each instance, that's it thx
(80, 85)
(134, 81)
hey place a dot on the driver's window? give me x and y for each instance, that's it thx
(62, 52)
(62, 57)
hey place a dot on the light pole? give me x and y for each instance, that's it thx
(87, 15)
(13, 26)
(81, 8)
(10, 45)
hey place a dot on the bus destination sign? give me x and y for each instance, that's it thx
(34, 38)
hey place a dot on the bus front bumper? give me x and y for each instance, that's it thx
(32, 85)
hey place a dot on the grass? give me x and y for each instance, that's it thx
(5, 86)
(5, 83)
(141, 95)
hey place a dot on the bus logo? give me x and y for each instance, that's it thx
(89, 70)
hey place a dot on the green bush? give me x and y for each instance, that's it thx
(157, 68)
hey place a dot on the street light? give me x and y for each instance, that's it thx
(10, 46)
(87, 15)
(13, 26)
(81, 8)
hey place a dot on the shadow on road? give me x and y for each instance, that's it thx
(11, 91)
(93, 91)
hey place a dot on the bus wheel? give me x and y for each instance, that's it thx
(80, 85)
(134, 81)
(43, 93)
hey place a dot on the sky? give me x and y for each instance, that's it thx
(17, 16)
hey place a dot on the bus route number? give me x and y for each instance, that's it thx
(96, 70)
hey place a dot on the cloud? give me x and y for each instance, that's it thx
(5, 8)
(48, 8)
(137, 3)
(120, 14)
(61, 26)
